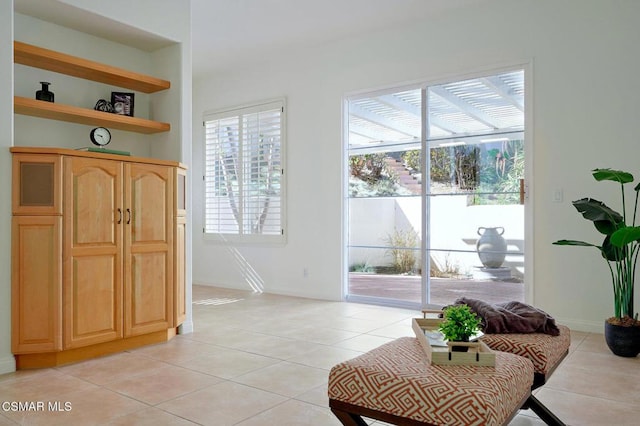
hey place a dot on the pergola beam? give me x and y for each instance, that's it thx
(396, 102)
(504, 91)
(464, 107)
(364, 131)
(384, 121)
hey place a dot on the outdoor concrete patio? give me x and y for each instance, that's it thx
(443, 290)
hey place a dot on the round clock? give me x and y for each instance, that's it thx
(100, 136)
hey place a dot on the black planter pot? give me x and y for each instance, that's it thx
(622, 341)
(455, 348)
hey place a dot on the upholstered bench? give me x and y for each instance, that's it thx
(395, 383)
(546, 352)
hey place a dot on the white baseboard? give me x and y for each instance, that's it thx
(186, 327)
(581, 325)
(7, 364)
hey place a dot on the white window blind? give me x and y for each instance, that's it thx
(244, 174)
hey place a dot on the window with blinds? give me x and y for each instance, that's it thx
(244, 173)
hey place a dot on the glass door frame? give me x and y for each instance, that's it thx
(425, 261)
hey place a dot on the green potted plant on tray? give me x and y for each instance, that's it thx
(620, 249)
(458, 325)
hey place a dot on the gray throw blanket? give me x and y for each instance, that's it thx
(511, 317)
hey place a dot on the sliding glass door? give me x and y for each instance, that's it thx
(417, 237)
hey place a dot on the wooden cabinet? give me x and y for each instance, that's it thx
(98, 253)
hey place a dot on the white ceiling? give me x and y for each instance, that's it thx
(228, 33)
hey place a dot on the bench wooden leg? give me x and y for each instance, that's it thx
(351, 415)
(348, 419)
(543, 412)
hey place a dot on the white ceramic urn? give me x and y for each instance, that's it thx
(491, 246)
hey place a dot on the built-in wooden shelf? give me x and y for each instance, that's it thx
(51, 60)
(72, 114)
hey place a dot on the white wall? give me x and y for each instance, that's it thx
(585, 91)
(7, 362)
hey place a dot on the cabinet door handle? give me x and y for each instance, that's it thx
(119, 215)
(128, 216)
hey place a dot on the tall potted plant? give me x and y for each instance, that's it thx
(620, 249)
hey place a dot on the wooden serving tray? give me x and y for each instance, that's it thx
(479, 354)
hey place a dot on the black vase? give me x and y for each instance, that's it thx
(622, 341)
(44, 94)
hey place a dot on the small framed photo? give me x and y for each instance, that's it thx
(122, 103)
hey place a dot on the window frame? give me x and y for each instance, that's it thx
(242, 237)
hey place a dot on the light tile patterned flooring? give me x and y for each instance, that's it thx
(259, 359)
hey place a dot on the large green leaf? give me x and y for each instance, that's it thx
(625, 235)
(606, 220)
(575, 243)
(606, 227)
(614, 175)
(613, 253)
(608, 251)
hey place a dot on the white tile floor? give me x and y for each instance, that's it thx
(258, 359)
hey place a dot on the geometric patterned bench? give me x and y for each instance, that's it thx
(395, 383)
(545, 352)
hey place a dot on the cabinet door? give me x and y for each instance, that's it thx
(148, 289)
(92, 268)
(181, 191)
(180, 306)
(180, 242)
(36, 310)
(37, 184)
